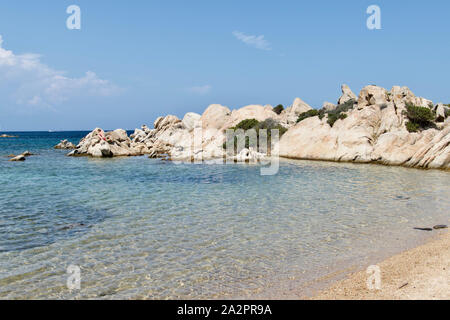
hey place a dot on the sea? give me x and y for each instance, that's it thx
(140, 228)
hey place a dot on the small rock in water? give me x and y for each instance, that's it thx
(402, 198)
(18, 158)
(440, 226)
(424, 229)
(27, 154)
(65, 144)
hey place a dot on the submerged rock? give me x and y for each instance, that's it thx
(72, 226)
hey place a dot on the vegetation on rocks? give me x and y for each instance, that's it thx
(278, 109)
(333, 115)
(246, 124)
(412, 127)
(419, 117)
(307, 114)
(268, 124)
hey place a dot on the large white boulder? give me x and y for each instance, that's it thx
(372, 95)
(190, 120)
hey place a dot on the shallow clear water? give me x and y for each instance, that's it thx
(142, 228)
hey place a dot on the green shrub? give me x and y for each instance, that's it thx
(321, 114)
(333, 117)
(420, 115)
(307, 114)
(338, 113)
(246, 124)
(412, 126)
(345, 106)
(278, 109)
(268, 124)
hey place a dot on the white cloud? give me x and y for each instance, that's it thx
(257, 42)
(200, 90)
(26, 81)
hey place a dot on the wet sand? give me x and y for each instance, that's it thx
(422, 273)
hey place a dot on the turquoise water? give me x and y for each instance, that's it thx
(144, 228)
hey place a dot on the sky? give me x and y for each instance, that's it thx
(133, 61)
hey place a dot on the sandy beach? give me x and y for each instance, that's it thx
(422, 273)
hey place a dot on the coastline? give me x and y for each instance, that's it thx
(421, 273)
(377, 163)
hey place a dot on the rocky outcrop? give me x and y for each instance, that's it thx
(109, 144)
(373, 131)
(441, 112)
(328, 106)
(7, 136)
(289, 116)
(200, 137)
(65, 145)
(367, 128)
(347, 95)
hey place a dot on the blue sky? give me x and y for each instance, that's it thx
(133, 61)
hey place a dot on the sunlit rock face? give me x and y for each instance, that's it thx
(372, 128)
(373, 131)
